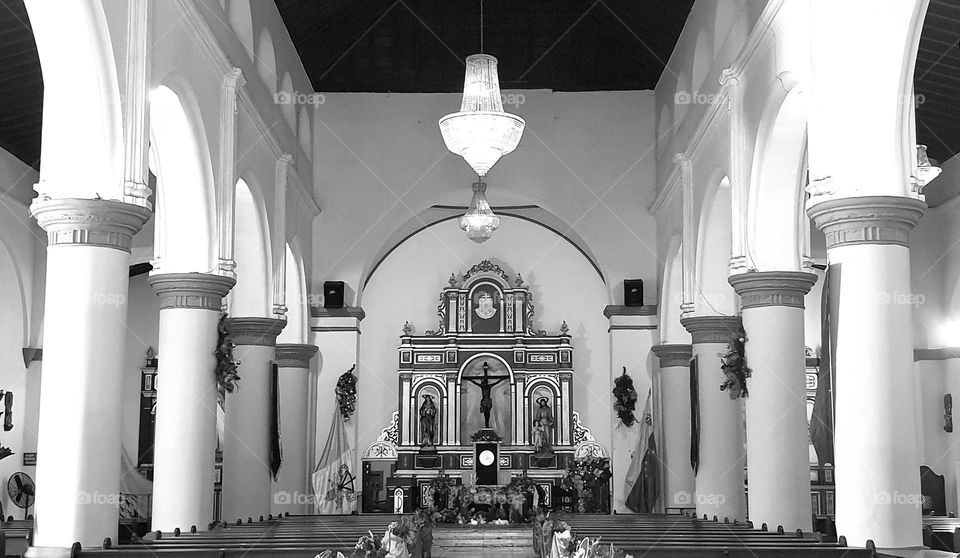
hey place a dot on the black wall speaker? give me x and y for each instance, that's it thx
(333, 294)
(633, 292)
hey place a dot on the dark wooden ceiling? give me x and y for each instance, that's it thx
(21, 85)
(419, 46)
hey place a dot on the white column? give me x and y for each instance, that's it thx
(778, 457)
(336, 331)
(633, 330)
(186, 427)
(78, 450)
(246, 452)
(877, 466)
(719, 480)
(291, 491)
(674, 381)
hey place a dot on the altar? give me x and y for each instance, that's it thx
(483, 399)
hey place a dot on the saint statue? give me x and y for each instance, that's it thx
(544, 416)
(485, 385)
(428, 422)
(541, 445)
(485, 308)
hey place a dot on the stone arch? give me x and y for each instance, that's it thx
(671, 296)
(81, 101)
(712, 294)
(702, 60)
(681, 100)
(241, 20)
(251, 297)
(295, 290)
(776, 225)
(266, 61)
(304, 133)
(288, 109)
(185, 237)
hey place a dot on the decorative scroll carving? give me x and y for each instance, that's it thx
(581, 433)
(486, 266)
(589, 449)
(441, 318)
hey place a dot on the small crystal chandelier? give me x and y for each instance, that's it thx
(481, 132)
(479, 221)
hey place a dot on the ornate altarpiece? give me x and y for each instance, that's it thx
(484, 318)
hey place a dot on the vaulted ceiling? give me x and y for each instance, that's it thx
(564, 45)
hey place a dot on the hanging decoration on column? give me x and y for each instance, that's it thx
(626, 398)
(735, 369)
(226, 370)
(347, 393)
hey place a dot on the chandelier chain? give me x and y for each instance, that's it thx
(481, 26)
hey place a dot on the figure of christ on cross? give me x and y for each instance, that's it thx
(486, 385)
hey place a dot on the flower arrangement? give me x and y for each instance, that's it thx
(368, 546)
(734, 366)
(485, 435)
(347, 393)
(226, 369)
(626, 398)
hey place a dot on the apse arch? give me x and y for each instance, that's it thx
(267, 61)
(295, 297)
(775, 206)
(438, 214)
(185, 223)
(241, 20)
(251, 296)
(714, 295)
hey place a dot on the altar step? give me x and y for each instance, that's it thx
(487, 541)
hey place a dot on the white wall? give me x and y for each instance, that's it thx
(406, 286)
(381, 162)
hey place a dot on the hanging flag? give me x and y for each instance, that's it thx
(276, 449)
(821, 420)
(694, 415)
(643, 475)
(333, 482)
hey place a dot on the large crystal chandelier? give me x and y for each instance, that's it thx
(479, 221)
(481, 132)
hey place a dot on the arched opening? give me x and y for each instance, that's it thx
(714, 296)
(241, 20)
(289, 108)
(184, 222)
(296, 300)
(776, 225)
(251, 295)
(672, 297)
(267, 61)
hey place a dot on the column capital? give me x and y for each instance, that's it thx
(294, 355)
(711, 329)
(255, 331)
(772, 288)
(77, 221)
(867, 220)
(673, 354)
(201, 291)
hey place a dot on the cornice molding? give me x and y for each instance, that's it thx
(77, 221)
(294, 355)
(345, 312)
(673, 354)
(943, 353)
(711, 329)
(255, 331)
(867, 219)
(619, 310)
(191, 290)
(762, 289)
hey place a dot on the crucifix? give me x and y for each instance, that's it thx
(485, 385)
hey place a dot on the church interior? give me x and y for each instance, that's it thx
(554, 279)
